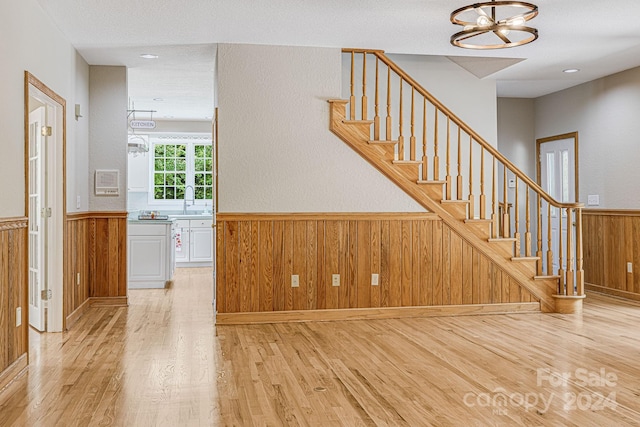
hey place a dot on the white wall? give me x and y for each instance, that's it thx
(517, 142)
(44, 52)
(108, 132)
(605, 114)
(276, 153)
(78, 179)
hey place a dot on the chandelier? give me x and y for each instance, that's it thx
(494, 25)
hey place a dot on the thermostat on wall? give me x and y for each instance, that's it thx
(107, 182)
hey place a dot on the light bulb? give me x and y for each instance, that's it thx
(517, 21)
(483, 21)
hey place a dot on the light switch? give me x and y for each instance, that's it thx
(374, 279)
(593, 200)
(295, 281)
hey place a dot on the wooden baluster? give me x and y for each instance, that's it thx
(527, 233)
(516, 221)
(448, 165)
(459, 178)
(352, 98)
(570, 252)
(579, 253)
(425, 160)
(549, 246)
(388, 123)
(483, 197)
(364, 86)
(494, 196)
(412, 138)
(472, 207)
(436, 159)
(376, 118)
(539, 243)
(561, 271)
(400, 124)
(505, 210)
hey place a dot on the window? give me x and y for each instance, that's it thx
(179, 162)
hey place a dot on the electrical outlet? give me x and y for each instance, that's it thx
(78, 279)
(374, 279)
(335, 280)
(78, 204)
(295, 281)
(629, 267)
(18, 316)
(593, 200)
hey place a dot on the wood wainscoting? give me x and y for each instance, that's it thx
(420, 262)
(96, 253)
(13, 294)
(610, 242)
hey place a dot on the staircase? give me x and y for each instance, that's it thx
(453, 172)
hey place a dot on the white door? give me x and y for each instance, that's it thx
(201, 244)
(37, 223)
(558, 178)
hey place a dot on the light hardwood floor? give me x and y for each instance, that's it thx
(163, 362)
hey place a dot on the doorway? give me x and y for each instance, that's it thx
(557, 174)
(44, 203)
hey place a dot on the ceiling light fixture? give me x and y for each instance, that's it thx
(570, 70)
(148, 56)
(494, 25)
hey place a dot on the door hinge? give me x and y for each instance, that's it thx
(46, 294)
(45, 212)
(46, 131)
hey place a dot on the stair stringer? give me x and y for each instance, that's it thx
(356, 134)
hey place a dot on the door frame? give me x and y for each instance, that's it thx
(560, 137)
(55, 312)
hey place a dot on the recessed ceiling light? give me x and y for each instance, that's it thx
(570, 70)
(148, 56)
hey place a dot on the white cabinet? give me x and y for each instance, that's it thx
(150, 254)
(195, 245)
(138, 172)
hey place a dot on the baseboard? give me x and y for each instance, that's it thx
(13, 371)
(109, 301)
(77, 314)
(374, 313)
(609, 291)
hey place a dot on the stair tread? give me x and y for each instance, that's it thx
(357, 122)
(406, 162)
(455, 201)
(382, 142)
(430, 182)
(342, 101)
(545, 277)
(478, 220)
(525, 258)
(503, 239)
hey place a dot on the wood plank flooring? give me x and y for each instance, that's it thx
(163, 362)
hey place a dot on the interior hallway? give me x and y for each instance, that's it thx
(162, 362)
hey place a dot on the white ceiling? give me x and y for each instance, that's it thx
(596, 36)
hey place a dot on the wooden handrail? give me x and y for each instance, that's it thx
(441, 107)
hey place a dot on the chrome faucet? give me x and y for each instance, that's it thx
(184, 201)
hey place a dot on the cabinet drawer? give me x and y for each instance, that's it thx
(201, 223)
(182, 223)
(147, 229)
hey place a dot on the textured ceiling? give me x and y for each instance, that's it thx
(593, 36)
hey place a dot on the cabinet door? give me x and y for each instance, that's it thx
(147, 257)
(182, 242)
(201, 244)
(138, 172)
